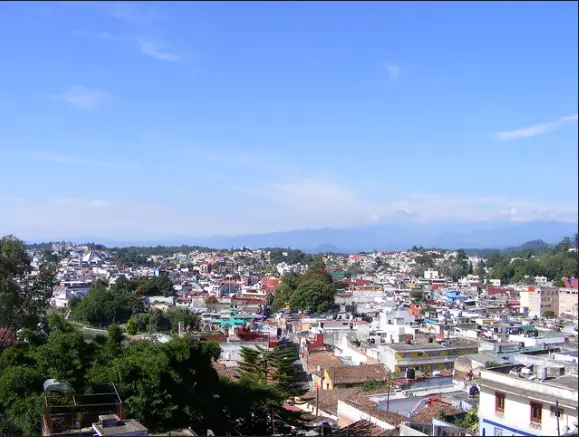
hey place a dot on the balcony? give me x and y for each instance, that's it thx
(535, 425)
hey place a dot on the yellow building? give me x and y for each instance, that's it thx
(426, 357)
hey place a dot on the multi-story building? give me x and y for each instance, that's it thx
(537, 301)
(426, 356)
(516, 402)
(568, 302)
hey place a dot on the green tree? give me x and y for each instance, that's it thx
(23, 298)
(417, 296)
(65, 356)
(176, 315)
(272, 372)
(132, 326)
(102, 306)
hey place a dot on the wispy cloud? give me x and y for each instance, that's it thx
(82, 202)
(537, 129)
(12, 199)
(85, 98)
(156, 51)
(64, 158)
(136, 13)
(392, 69)
(320, 203)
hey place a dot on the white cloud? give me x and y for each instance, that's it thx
(85, 98)
(133, 12)
(319, 203)
(393, 70)
(154, 50)
(531, 131)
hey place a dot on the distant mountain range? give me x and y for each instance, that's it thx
(385, 237)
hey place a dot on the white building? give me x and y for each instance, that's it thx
(395, 326)
(527, 405)
(431, 274)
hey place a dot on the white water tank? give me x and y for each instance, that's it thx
(542, 373)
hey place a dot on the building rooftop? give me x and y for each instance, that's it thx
(430, 346)
(122, 427)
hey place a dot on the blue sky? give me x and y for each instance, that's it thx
(155, 119)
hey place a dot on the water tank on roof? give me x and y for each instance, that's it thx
(54, 385)
(542, 373)
(473, 390)
(410, 373)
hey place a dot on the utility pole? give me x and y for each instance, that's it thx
(317, 400)
(557, 415)
(388, 393)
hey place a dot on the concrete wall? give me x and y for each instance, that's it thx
(232, 351)
(407, 431)
(347, 415)
(344, 350)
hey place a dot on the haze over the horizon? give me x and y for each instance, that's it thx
(144, 120)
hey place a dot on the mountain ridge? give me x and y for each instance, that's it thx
(381, 236)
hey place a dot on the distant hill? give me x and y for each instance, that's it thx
(476, 236)
(395, 237)
(535, 245)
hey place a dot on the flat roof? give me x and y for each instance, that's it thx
(430, 346)
(123, 427)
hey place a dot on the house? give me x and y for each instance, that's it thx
(352, 376)
(360, 407)
(516, 400)
(426, 356)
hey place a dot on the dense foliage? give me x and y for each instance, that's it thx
(288, 256)
(524, 264)
(164, 386)
(272, 371)
(23, 297)
(121, 301)
(102, 306)
(314, 291)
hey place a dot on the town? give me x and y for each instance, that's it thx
(421, 342)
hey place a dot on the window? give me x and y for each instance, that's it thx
(434, 354)
(499, 402)
(554, 412)
(536, 412)
(498, 431)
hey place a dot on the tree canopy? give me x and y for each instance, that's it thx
(314, 291)
(523, 264)
(24, 297)
(164, 386)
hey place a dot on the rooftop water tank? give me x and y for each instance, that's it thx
(54, 385)
(542, 373)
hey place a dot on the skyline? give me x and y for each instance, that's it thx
(146, 120)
